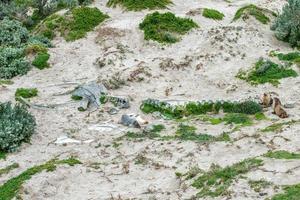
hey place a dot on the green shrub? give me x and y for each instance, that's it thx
(166, 27)
(253, 10)
(198, 108)
(212, 14)
(291, 192)
(137, 5)
(73, 25)
(287, 24)
(16, 126)
(266, 71)
(12, 33)
(41, 61)
(237, 118)
(26, 93)
(84, 19)
(12, 62)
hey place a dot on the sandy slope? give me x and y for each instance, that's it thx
(210, 58)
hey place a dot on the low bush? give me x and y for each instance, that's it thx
(137, 5)
(287, 24)
(26, 93)
(260, 14)
(16, 126)
(12, 62)
(166, 27)
(212, 14)
(12, 33)
(41, 61)
(266, 71)
(199, 108)
(73, 25)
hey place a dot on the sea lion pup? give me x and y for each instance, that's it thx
(266, 100)
(278, 110)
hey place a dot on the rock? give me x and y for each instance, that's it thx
(133, 120)
(120, 102)
(66, 140)
(289, 105)
(113, 111)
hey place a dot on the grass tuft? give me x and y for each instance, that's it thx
(278, 127)
(217, 181)
(213, 14)
(8, 168)
(253, 10)
(257, 186)
(266, 71)
(41, 61)
(282, 155)
(166, 27)
(138, 5)
(290, 193)
(11, 187)
(26, 93)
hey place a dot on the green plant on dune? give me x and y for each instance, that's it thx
(266, 71)
(10, 188)
(213, 14)
(282, 155)
(41, 61)
(217, 181)
(291, 192)
(137, 5)
(26, 93)
(166, 27)
(259, 13)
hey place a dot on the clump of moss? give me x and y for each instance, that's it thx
(188, 133)
(26, 93)
(282, 155)
(137, 5)
(217, 181)
(11, 187)
(266, 71)
(41, 61)
(166, 27)
(212, 14)
(199, 108)
(290, 193)
(253, 10)
(73, 25)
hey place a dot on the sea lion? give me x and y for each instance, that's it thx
(278, 110)
(266, 100)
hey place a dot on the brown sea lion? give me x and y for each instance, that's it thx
(266, 100)
(278, 110)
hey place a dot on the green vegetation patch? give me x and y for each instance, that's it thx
(199, 108)
(213, 14)
(137, 5)
(290, 193)
(282, 155)
(2, 155)
(237, 118)
(10, 188)
(217, 181)
(253, 10)
(266, 71)
(278, 127)
(188, 133)
(257, 186)
(26, 93)
(8, 169)
(41, 61)
(73, 25)
(166, 27)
